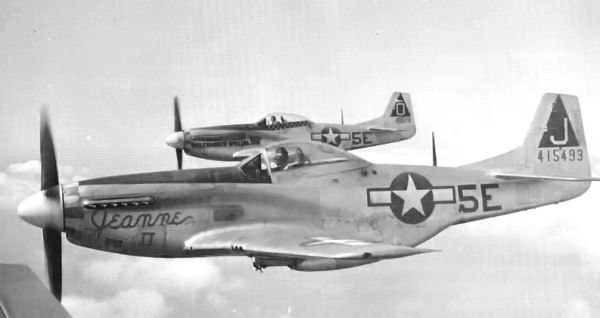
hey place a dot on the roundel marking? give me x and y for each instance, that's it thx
(331, 135)
(410, 197)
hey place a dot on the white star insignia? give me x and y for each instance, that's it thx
(330, 136)
(412, 197)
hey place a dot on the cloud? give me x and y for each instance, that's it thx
(596, 169)
(31, 167)
(167, 276)
(127, 303)
(187, 285)
(562, 229)
(22, 178)
(576, 308)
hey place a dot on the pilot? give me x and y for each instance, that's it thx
(301, 156)
(277, 122)
(281, 158)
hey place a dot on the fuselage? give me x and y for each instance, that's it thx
(153, 214)
(222, 142)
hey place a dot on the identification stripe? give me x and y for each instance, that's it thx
(382, 196)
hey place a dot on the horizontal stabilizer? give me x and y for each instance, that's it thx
(376, 128)
(513, 176)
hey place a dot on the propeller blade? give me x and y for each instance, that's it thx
(179, 154)
(433, 149)
(49, 179)
(53, 251)
(177, 117)
(49, 176)
(178, 128)
(342, 115)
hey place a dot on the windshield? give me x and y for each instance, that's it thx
(281, 120)
(256, 169)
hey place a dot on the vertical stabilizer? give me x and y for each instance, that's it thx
(398, 115)
(555, 144)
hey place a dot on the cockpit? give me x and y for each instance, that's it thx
(293, 156)
(282, 120)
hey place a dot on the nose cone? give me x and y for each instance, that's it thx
(175, 140)
(43, 209)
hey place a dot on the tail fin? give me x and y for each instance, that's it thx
(554, 148)
(555, 144)
(398, 115)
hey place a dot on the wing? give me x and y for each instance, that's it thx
(22, 294)
(293, 244)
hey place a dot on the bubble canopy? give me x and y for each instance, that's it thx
(295, 155)
(280, 119)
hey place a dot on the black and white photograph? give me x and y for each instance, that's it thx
(310, 158)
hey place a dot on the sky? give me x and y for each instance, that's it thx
(476, 70)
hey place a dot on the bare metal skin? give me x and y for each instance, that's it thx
(236, 142)
(311, 206)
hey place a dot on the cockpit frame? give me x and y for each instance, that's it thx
(276, 121)
(286, 158)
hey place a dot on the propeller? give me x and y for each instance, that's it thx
(342, 115)
(177, 129)
(51, 191)
(433, 149)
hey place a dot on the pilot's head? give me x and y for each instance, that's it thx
(281, 157)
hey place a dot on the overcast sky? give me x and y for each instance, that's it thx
(108, 71)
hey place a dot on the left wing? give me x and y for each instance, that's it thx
(294, 243)
(22, 294)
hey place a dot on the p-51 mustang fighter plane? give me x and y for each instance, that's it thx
(307, 205)
(236, 142)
